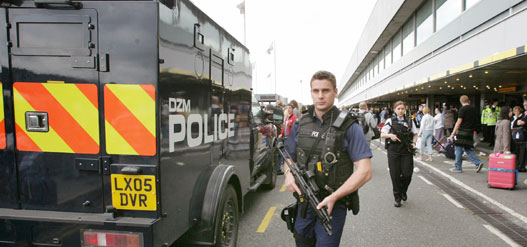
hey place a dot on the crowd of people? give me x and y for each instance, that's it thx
(501, 126)
(402, 128)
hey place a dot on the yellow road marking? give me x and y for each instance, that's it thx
(266, 220)
(283, 188)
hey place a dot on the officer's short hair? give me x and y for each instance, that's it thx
(324, 75)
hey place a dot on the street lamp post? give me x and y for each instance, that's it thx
(274, 51)
(272, 48)
(241, 7)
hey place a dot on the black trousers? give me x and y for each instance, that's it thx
(491, 131)
(401, 166)
(485, 133)
(519, 150)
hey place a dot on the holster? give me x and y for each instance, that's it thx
(289, 216)
(352, 202)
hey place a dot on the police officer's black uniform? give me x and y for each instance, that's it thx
(400, 157)
(319, 149)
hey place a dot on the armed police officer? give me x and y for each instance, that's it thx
(400, 133)
(333, 146)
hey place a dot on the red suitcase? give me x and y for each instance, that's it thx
(502, 171)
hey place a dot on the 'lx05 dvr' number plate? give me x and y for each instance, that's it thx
(134, 192)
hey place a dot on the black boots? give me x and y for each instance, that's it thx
(397, 203)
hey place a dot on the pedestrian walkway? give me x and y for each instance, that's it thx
(506, 201)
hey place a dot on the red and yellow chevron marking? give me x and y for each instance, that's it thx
(73, 117)
(130, 119)
(2, 125)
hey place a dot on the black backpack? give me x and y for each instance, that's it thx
(361, 118)
(362, 121)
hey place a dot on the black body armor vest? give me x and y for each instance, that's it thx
(319, 150)
(404, 133)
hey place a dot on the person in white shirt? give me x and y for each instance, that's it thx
(426, 132)
(439, 127)
(400, 134)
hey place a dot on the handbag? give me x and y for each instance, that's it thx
(518, 134)
(464, 138)
(376, 133)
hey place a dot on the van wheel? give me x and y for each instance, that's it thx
(271, 173)
(228, 219)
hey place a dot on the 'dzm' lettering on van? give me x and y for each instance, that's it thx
(180, 115)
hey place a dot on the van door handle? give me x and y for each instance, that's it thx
(37, 121)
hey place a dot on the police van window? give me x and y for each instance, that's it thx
(256, 110)
(278, 115)
(50, 35)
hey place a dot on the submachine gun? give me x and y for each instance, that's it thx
(406, 140)
(306, 182)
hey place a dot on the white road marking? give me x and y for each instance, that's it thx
(426, 180)
(503, 237)
(453, 201)
(485, 197)
(448, 162)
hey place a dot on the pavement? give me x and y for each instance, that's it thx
(511, 203)
(430, 217)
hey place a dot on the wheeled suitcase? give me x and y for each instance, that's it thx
(448, 149)
(502, 171)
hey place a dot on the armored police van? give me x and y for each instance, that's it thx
(124, 123)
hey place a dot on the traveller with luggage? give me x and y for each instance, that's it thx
(503, 132)
(463, 134)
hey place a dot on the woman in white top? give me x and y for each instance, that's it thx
(439, 127)
(400, 133)
(426, 132)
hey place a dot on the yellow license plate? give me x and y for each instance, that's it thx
(134, 192)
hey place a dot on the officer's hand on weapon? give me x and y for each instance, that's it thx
(394, 138)
(328, 202)
(290, 180)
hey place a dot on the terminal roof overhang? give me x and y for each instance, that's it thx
(405, 11)
(507, 75)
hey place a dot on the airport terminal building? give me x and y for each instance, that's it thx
(433, 51)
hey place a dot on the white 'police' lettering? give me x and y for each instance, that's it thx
(223, 125)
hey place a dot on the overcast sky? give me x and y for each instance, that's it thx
(309, 36)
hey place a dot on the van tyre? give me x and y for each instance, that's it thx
(271, 173)
(228, 219)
